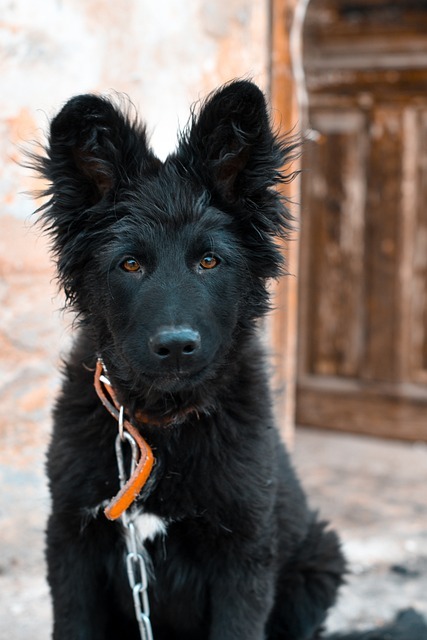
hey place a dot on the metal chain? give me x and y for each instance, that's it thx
(135, 563)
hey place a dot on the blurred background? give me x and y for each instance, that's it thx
(349, 332)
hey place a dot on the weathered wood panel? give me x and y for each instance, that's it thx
(371, 410)
(383, 211)
(332, 276)
(419, 263)
(363, 287)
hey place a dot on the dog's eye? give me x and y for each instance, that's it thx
(209, 261)
(131, 265)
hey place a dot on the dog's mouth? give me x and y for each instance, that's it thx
(170, 403)
(153, 396)
(155, 407)
(173, 380)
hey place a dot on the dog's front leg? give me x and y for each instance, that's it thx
(242, 598)
(76, 556)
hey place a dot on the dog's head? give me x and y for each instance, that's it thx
(167, 262)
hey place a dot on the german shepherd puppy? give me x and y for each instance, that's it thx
(167, 265)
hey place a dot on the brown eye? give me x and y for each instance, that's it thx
(131, 265)
(209, 261)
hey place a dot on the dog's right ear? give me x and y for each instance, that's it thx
(94, 148)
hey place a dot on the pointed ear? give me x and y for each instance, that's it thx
(232, 152)
(231, 143)
(93, 148)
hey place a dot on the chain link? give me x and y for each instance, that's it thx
(135, 562)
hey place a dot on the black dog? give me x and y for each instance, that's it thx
(167, 264)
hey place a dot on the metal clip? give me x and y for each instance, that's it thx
(105, 380)
(121, 423)
(120, 439)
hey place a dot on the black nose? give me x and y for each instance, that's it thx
(175, 343)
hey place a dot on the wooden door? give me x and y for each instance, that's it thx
(363, 271)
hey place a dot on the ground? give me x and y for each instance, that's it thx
(373, 492)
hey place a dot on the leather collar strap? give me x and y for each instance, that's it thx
(130, 491)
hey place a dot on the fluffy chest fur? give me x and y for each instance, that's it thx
(149, 526)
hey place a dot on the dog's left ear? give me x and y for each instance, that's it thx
(231, 146)
(231, 150)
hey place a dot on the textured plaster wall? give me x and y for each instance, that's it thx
(164, 54)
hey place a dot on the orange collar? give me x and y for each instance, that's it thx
(130, 491)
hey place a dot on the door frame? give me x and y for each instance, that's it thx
(285, 45)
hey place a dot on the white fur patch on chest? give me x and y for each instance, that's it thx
(149, 526)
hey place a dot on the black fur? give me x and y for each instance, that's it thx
(243, 557)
